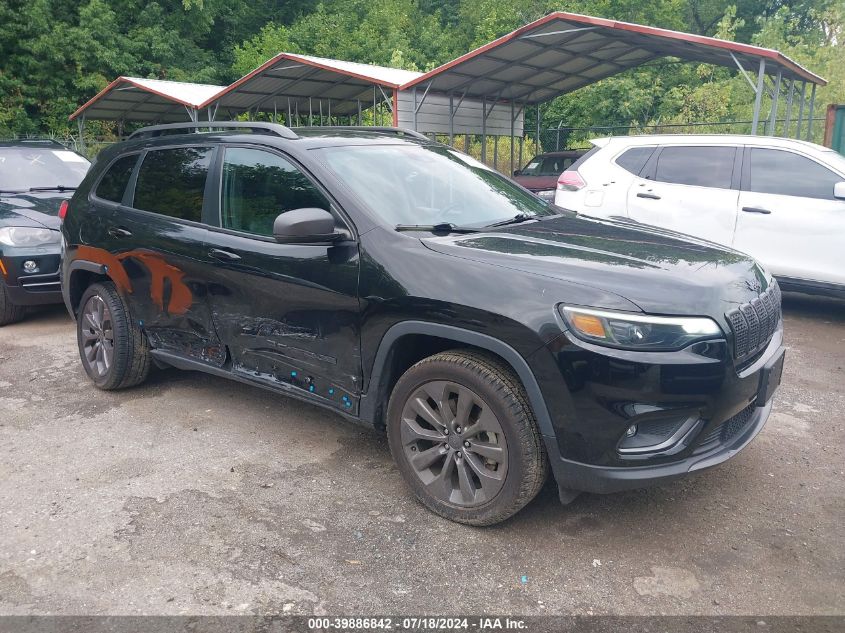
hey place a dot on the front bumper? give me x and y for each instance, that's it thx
(37, 288)
(605, 479)
(706, 408)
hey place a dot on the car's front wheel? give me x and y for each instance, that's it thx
(114, 351)
(464, 437)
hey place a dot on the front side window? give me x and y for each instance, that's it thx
(172, 182)
(419, 184)
(697, 166)
(258, 186)
(787, 174)
(114, 182)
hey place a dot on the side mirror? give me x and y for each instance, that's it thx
(517, 172)
(305, 226)
(839, 190)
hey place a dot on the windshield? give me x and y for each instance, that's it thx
(414, 184)
(22, 168)
(547, 166)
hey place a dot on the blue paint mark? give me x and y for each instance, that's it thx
(311, 388)
(524, 580)
(293, 374)
(347, 403)
(331, 392)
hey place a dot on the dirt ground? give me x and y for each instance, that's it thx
(193, 494)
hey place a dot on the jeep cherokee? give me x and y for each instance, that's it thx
(404, 285)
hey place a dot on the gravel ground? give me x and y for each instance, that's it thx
(196, 495)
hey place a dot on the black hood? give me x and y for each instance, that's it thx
(660, 271)
(36, 209)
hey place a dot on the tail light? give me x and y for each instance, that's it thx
(570, 180)
(63, 210)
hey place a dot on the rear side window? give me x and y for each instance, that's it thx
(788, 174)
(634, 159)
(258, 186)
(697, 166)
(114, 182)
(172, 182)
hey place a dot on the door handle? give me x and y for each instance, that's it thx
(119, 231)
(650, 196)
(226, 256)
(756, 210)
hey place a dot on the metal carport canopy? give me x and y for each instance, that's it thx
(138, 99)
(291, 82)
(562, 52)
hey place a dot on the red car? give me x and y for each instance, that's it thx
(541, 173)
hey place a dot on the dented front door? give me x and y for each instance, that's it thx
(288, 313)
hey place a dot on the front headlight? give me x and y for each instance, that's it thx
(27, 236)
(639, 331)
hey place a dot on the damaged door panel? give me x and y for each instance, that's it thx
(289, 313)
(159, 245)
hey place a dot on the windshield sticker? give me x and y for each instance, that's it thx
(68, 156)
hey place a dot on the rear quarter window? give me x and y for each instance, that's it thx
(113, 183)
(634, 159)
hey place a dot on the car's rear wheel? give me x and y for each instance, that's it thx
(464, 437)
(114, 351)
(9, 312)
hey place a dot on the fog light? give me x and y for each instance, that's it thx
(632, 431)
(30, 266)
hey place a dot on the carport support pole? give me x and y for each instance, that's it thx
(80, 125)
(510, 173)
(310, 113)
(801, 109)
(810, 118)
(788, 121)
(537, 139)
(484, 130)
(773, 114)
(451, 117)
(758, 99)
(359, 111)
(495, 152)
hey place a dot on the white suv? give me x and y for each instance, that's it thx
(780, 200)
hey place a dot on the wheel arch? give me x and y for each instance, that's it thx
(392, 359)
(82, 274)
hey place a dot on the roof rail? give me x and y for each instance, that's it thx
(211, 126)
(398, 131)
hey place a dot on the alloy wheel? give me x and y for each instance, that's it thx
(97, 336)
(454, 443)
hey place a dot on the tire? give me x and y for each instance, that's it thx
(499, 463)
(122, 358)
(9, 312)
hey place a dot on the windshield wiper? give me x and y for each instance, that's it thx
(56, 188)
(12, 190)
(443, 227)
(517, 219)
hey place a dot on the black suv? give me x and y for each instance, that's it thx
(407, 286)
(36, 177)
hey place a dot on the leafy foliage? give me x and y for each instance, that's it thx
(56, 54)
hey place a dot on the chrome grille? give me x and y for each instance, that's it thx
(754, 323)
